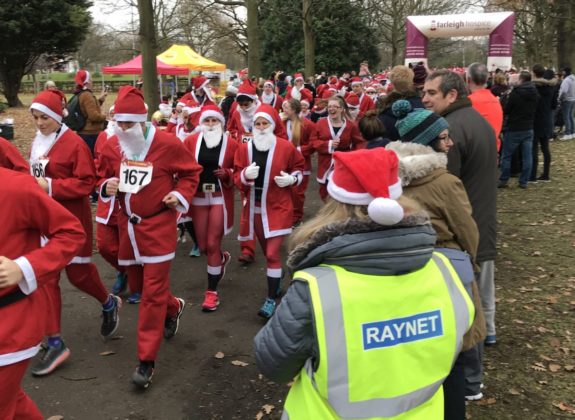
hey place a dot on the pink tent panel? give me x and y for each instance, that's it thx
(134, 66)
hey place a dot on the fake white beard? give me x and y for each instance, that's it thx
(267, 99)
(132, 141)
(247, 116)
(264, 139)
(295, 93)
(41, 145)
(111, 128)
(212, 135)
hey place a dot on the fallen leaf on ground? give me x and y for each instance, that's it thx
(539, 367)
(554, 367)
(56, 418)
(219, 355)
(542, 382)
(536, 253)
(546, 358)
(260, 415)
(513, 391)
(569, 368)
(239, 363)
(487, 401)
(518, 321)
(107, 353)
(564, 407)
(268, 408)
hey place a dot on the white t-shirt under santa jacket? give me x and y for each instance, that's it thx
(226, 161)
(28, 213)
(71, 177)
(153, 239)
(276, 202)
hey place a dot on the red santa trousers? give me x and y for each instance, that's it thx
(270, 246)
(323, 191)
(84, 277)
(208, 223)
(108, 243)
(153, 282)
(298, 198)
(247, 247)
(14, 403)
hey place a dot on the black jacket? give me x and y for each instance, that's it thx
(388, 119)
(543, 121)
(520, 107)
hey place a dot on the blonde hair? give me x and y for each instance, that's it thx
(335, 211)
(297, 124)
(402, 78)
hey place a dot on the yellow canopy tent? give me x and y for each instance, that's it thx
(184, 56)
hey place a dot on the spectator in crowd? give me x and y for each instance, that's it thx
(545, 83)
(373, 130)
(500, 85)
(483, 100)
(567, 103)
(90, 106)
(473, 159)
(229, 99)
(520, 111)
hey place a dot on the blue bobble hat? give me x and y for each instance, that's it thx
(417, 125)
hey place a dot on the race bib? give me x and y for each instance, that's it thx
(247, 137)
(38, 168)
(134, 176)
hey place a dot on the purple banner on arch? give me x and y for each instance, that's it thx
(501, 39)
(416, 45)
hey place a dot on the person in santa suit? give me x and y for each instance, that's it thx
(154, 177)
(10, 157)
(28, 215)
(352, 102)
(269, 97)
(371, 91)
(320, 108)
(335, 133)
(107, 234)
(240, 127)
(190, 120)
(177, 117)
(201, 92)
(266, 169)
(365, 101)
(212, 207)
(305, 112)
(298, 90)
(300, 131)
(63, 166)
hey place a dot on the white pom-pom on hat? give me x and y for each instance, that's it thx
(385, 211)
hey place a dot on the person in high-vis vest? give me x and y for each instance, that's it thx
(374, 318)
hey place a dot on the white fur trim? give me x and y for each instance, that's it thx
(17, 356)
(274, 272)
(395, 190)
(43, 108)
(266, 116)
(344, 196)
(215, 271)
(28, 283)
(131, 117)
(214, 114)
(184, 205)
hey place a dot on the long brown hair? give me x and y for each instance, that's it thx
(297, 125)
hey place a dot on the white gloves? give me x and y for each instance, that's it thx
(252, 171)
(285, 180)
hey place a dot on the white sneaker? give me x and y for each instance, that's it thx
(565, 137)
(475, 397)
(572, 136)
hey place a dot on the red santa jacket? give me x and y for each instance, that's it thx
(305, 143)
(365, 104)
(226, 161)
(153, 238)
(71, 178)
(276, 202)
(108, 207)
(241, 135)
(10, 157)
(28, 213)
(349, 139)
(276, 102)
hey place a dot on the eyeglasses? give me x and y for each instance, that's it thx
(334, 107)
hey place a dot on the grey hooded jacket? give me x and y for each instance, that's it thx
(288, 339)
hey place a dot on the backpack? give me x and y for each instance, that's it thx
(75, 119)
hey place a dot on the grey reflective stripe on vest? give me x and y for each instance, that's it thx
(337, 368)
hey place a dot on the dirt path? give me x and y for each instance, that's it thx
(530, 373)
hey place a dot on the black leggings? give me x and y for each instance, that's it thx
(544, 142)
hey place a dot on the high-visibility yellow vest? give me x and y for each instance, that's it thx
(386, 343)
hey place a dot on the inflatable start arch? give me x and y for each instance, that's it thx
(499, 27)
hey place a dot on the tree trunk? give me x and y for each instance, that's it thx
(309, 38)
(149, 52)
(11, 79)
(254, 61)
(565, 27)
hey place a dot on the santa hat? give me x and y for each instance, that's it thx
(199, 82)
(306, 96)
(298, 76)
(51, 103)
(181, 103)
(371, 88)
(328, 93)
(268, 112)
(333, 80)
(243, 72)
(356, 81)
(269, 83)
(368, 178)
(212, 111)
(191, 107)
(352, 100)
(247, 88)
(82, 77)
(130, 106)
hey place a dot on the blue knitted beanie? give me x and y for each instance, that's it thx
(417, 125)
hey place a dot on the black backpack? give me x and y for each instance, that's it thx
(75, 119)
